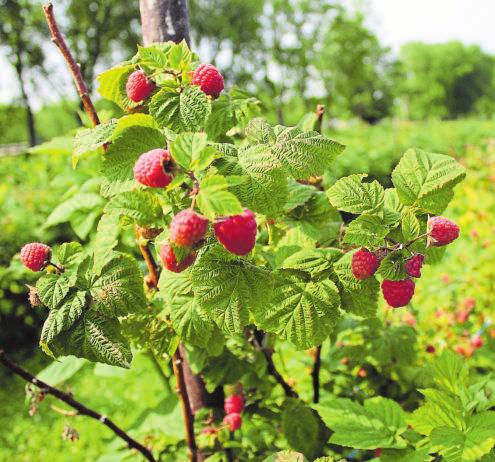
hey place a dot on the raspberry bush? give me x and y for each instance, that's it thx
(259, 252)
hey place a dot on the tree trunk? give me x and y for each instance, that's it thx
(29, 113)
(163, 20)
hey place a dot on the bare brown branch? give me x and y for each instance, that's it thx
(79, 407)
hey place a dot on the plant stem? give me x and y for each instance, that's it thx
(315, 374)
(185, 404)
(79, 407)
(153, 268)
(74, 67)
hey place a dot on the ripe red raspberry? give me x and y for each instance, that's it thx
(234, 404)
(413, 266)
(170, 262)
(442, 231)
(35, 256)
(154, 168)
(209, 79)
(187, 228)
(237, 233)
(477, 342)
(138, 86)
(233, 421)
(398, 293)
(364, 264)
(378, 452)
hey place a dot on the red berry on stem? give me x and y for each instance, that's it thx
(234, 404)
(35, 256)
(138, 86)
(430, 349)
(187, 228)
(413, 266)
(237, 233)
(398, 293)
(209, 431)
(151, 168)
(477, 342)
(170, 261)
(209, 79)
(442, 231)
(364, 264)
(233, 421)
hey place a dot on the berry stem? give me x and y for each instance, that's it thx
(60, 269)
(153, 269)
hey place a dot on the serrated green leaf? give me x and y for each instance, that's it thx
(265, 187)
(214, 199)
(426, 180)
(52, 288)
(392, 266)
(96, 338)
(229, 288)
(90, 139)
(351, 195)
(63, 317)
(142, 207)
(392, 207)
(313, 261)
(122, 154)
(298, 194)
(81, 202)
(133, 120)
(154, 56)
(304, 154)
(286, 456)
(191, 151)
(378, 424)
(366, 231)
(302, 311)
(259, 131)
(119, 290)
(179, 56)
(185, 111)
(410, 225)
(112, 85)
(106, 239)
(68, 253)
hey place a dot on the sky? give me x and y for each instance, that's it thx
(394, 21)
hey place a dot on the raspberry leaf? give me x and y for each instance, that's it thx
(185, 111)
(141, 207)
(259, 131)
(214, 198)
(63, 317)
(112, 85)
(379, 423)
(392, 267)
(265, 188)
(90, 139)
(228, 288)
(53, 288)
(302, 311)
(180, 57)
(304, 154)
(190, 150)
(350, 194)
(410, 225)
(68, 254)
(366, 231)
(106, 239)
(426, 180)
(298, 194)
(153, 57)
(119, 289)
(122, 154)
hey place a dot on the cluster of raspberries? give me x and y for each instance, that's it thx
(139, 86)
(441, 231)
(233, 406)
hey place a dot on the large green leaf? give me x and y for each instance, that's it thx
(305, 153)
(119, 160)
(302, 311)
(184, 111)
(366, 231)
(426, 180)
(112, 85)
(214, 198)
(229, 288)
(351, 195)
(378, 424)
(52, 288)
(142, 207)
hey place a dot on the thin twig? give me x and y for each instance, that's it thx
(153, 268)
(73, 66)
(256, 340)
(315, 374)
(185, 404)
(79, 407)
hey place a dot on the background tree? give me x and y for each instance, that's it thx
(20, 29)
(446, 80)
(356, 71)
